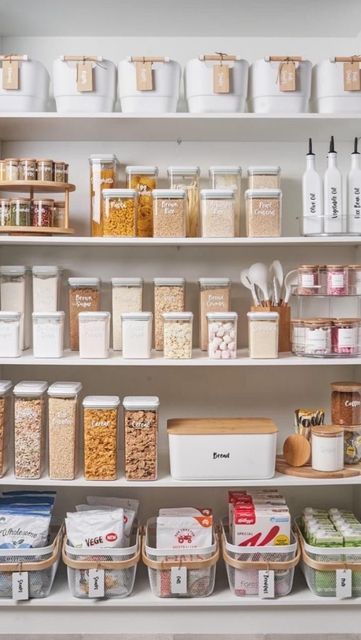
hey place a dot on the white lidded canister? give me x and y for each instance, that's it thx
(328, 89)
(97, 93)
(32, 81)
(265, 94)
(327, 444)
(148, 85)
(202, 93)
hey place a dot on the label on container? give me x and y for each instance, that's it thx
(96, 583)
(144, 76)
(20, 585)
(346, 338)
(307, 280)
(351, 76)
(84, 76)
(343, 583)
(287, 76)
(266, 584)
(338, 280)
(317, 339)
(221, 82)
(11, 74)
(178, 580)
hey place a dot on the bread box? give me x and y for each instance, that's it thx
(222, 448)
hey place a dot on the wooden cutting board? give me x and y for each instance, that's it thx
(350, 471)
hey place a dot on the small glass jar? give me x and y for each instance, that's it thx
(215, 296)
(346, 403)
(11, 169)
(141, 437)
(169, 213)
(308, 280)
(264, 177)
(45, 170)
(354, 279)
(318, 337)
(10, 334)
(298, 337)
(144, 180)
(5, 417)
(103, 175)
(187, 178)
(20, 212)
(137, 335)
(5, 212)
(45, 288)
(42, 212)
(27, 169)
(59, 214)
(48, 334)
(263, 213)
(178, 335)
(2, 170)
(94, 334)
(263, 330)
(222, 335)
(337, 280)
(218, 217)
(169, 295)
(127, 296)
(63, 418)
(14, 295)
(120, 213)
(352, 444)
(228, 177)
(100, 422)
(60, 171)
(327, 448)
(29, 424)
(345, 336)
(84, 295)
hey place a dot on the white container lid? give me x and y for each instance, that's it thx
(93, 315)
(12, 270)
(263, 193)
(217, 194)
(140, 402)
(141, 170)
(106, 158)
(83, 282)
(64, 389)
(10, 315)
(127, 282)
(225, 315)
(262, 315)
(168, 193)
(183, 171)
(30, 388)
(168, 282)
(178, 315)
(101, 402)
(268, 171)
(58, 315)
(119, 193)
(46, 270)
(225, 169)
(214, 282)
(5, 386)
(137, 315)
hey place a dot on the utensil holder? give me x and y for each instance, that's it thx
(284, 333)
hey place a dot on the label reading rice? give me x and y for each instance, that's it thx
(20, 585)
(96, 583)
(178, 580)
(266, 584)
(343, 583)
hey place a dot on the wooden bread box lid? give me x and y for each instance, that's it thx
(224, 426)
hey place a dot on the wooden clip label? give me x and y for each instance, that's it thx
(351, 76)
(84, 76)
(11, 74)
(221, 78)
(287, 76)
(144, 76)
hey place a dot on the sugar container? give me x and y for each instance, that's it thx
(137, 334)
(63, 416)
(94, 334)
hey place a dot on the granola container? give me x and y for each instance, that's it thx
(169, 295)
(215, 296)
(84, 295)
(141, 437)
(144, 180)
(63, 419)
(187, 179)
(5, 416)
(29, 423)
(100, 424)
(120, 213)
(263, 213)
(127, 296)
(103, 175)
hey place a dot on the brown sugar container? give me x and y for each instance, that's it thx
(84, 295)
(346, 403)
(141, 437)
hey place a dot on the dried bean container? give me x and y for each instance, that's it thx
(337, 280)
(141, 437)
(15, 296)
(327, 448)
(42, 213)
(29, 422)
(308, 280)
(318, 340)
(48, 334)
(45, 170)
(2, 170)
(298, 336)
(263, 213)
(263, 330)
(5, 212)
(169, 213)
(169, 295)
(222, 335)
(5, 417)
(345, 336)
(127, 296)
(354, 278)
(20, 212)
(218, 213)
(214, 296)
(137, 335)
(46, 285)
(144, 180)
(94, 334)
(120, 213)
(346, 403)
(10, 334)
(61, 171)
(59, 214)
(228, 177)
(187, 178)
(178, 331)
(11, 169)
(103, 175)
(84, 295)
(27, 169)
(264, 177)
(63, 419)
(100, 423)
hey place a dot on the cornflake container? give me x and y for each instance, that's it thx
(29, 423)
(10, 334)
(48, 334)
(5, 412)
(141, 437)
(100, 417)
(63, 418)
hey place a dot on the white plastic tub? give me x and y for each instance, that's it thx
(264, 94)
(328, 93)
(222, 448)
(33, 91)
(69, 99)
(199, 86)
(161, 98)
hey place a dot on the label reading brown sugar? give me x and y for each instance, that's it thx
(287, 76)
(351, 76)
(221, 78)
(84, 76)
(144, 76)
(10, 74)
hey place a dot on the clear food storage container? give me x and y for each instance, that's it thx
(228, 177)
(61, 171)
(215, 296)
(29, 423)
(103, 175)
(137, 334)
(5, 417)
(100, 422)
(264, 177)
(84, 84)
(308, 280)
(48, 334)
(169, 295)
(127, 296)
(84, 295)
(94, 334)
(20, 212)
(46, 285)
(218, 213)
(5, 212)
(169, 213)
(15, 296)
(141, 437)
(27, 169)
(346, 403)
(27, 90)
(263, 330)
(317, 337)
(144, 181)
(178, 331)
(216, 83)
(337, 280)
(298, 336)
(42, 213)
(12, 169)
(263, 213)
(63, 418)
(187, 179)
(279, 84)
(352, 444)
(10, 334)
(345, 336)
(120, 213)
(148, 84)
(45, 170)
(222, 335)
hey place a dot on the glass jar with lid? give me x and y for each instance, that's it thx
(308, 280)
(298, 336)
(144, 180)
(103, 175)
(187, 178)
(337, 280)
(2, 170)
(263, 334)
(178, 335)
(42, 212)
(29, 424)
(317, 334)
(20, 212)
(263, 213)
(59, 214)
(100, 420)
(11, 169)
(63, 417)
(169, 213)
(94, 334)
(264, 177)
(346, 403)
(127, 296)
(352, 444)
(354, 279)
(27, 169)
(84, 295)
(215, 296)
(345, 336)
(5, 417)
(222, 335)
(229, 177)
(60, 171)
(218, 213)
(120, 213)
(48, 334)
(5, 212)
(141, 437)
(169, 295)
(327, 448)
(45, 170)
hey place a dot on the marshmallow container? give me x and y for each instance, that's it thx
(222, 335)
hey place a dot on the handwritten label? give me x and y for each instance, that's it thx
(351, 76)
(287, 76)
(178, 580)
(11, 74)
(221, 78)
(84, 76)
(20, 585)
(144, 76)
(343, 583)
(266, 584)
(96, 583)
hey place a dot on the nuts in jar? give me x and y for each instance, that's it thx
(144, 180)
(169, 213)
(42, 213)
(317, 334)
(337, 280)
(27, 169)
(308, 280)
(141, 437)
(345, 336)
(45, 170)
(120, 212)
(60, 171)
(346, 403)
(100, 414)
(20, 212)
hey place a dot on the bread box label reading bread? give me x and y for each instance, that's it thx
(351, 76)
(11, 74)
(221, 83)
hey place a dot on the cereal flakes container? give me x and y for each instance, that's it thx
(100, 421)
(141, 437)
(5, 408)
(63, 417)
(29, 423)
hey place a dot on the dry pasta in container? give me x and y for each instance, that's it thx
(5, 416)
(187, 179)
(169, 295)
(63, 418)
(100, 425)
(144, 180)
(103, 175)
(127, 296)
(29, 423)
(120, 213)
(141, 437)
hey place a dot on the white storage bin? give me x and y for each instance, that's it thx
(148, 85)
(206, 89)
(96, 94)
(265, 95)
(328, 89)
(222, 448)
(30, 81)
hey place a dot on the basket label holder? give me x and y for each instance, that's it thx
(20, 585)
(266, 584)
(96, 583)
(343, 583)
(178, 580)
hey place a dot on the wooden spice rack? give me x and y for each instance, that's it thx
(33, 187)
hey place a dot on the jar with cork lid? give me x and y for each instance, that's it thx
(327, 448)
(346, 403)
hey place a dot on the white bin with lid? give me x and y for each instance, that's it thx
(84, 84)
(329, 93)
(211, 89)
(48, 334)
(265, 94)
(148, 84)
(30, 84)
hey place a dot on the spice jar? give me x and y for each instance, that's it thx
(228, 177)
(345, 336)
(169, 213)
(144, 180)
(308, 280)
(215, 296)
(103, 175)
(187, 178)
(264, 177)
(127, 296)
(63, 417)
(137, 334)
(100, 416)
(14, 294)
(45, 170)
(141, 437)
(263, 330)
(337, 280)
(45, 288)
(352, 444)
(84, 295)
(2, 170)
(120, 213)
(222, 335)
(11, 169)
(20, 212)
(322, 277)
(42, 213)
(327, 448)
(354, 279)
(48, 334)
(317, 337)
(27, 169)
(5, 414)
(217, 213)
(61, 171)
(10, 334)
(178, 335)
(29, 422)
(298, 337)
(346, 403)
(169, 295)
(94, 334)
(5, 212)
(263, 213)
(59, 214)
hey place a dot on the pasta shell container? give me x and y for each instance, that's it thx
(159, 95)
(32, 92)
(201, 92)
(328, 89)
(97, 96)
(265, 95)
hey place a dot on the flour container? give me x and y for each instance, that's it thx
(216, 83)
(279, 85)
(148, 84)
(24, 84)
(84, 84)
(336, 86)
